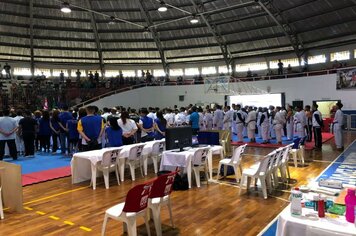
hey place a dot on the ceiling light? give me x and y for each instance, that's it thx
(65, 7)
(194, 20)
(163, 7)
(112, 20)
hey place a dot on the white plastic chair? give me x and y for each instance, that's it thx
(199, 160)
(157, 150)
(284, 167)
(135, 205)
(134, 159)
(160, 196)
(110, 161)
(234, 161)
(297, 150)
(1, 207)
(277, 159)
(224, 140)
(258, 173)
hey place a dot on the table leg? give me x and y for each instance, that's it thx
(210, 164)
(122, 168)
(189, 173)
(93, 175)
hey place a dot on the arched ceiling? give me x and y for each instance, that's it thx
(37, 31)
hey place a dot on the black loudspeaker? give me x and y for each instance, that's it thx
(225, 100)
(297, 103)
(181, 98)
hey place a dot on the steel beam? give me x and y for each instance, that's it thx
(32, 61)
(155, 36)
(217, 36)
(280, 20)
(97, 39)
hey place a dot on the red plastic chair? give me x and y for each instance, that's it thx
(160, 195)
(135, 205)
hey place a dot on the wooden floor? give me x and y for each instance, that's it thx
(59, 208)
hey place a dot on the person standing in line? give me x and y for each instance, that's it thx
(44, 131)
(91, 129)
(259, 114)
(169, 116)
(299, 123)
(201, 119)
(338, 125)
(251, 124)
(8, 127)
(146, 125)
(271, 111)
(240, 123)
(233, 122)
(28, 127)
(278, 122)
(309, 124)
(37, 116)
(64, 116)
(18, 138)
(290, 123)
(160, 126)
(128, 127)
(264, 123)
(317, 121)
(208, 119)
(245, 114)
(194, 120)
(113, 133)
(54, 124)
(218, 118)
(228, 118)
(180, 118)
(73, 135)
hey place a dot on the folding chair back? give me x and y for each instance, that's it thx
(158, 148)
(135, 152)
(163, 185)
(137, 197)
(110, 157)
(200, 156)
(236, 157)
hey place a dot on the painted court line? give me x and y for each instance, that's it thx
(55, 195)
(54, 217)
(85, 228)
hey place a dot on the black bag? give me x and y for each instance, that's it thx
(93, 143)
(230, 170)
(181, 182)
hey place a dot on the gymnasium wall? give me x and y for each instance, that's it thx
(304, 88)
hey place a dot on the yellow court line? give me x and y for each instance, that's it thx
(85, 228)
(54, 217)
(41, 213)
(55, 195)
(68, 222)
(28, 208)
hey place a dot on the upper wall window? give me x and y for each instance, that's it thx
(223, 70)
(22, 71)
(73, 73)
(129, 73)
(208, 70)
(316, 59)
(56, 72)
(291, 61)
(191, 71)
(251, 66)
(176, 72)
(339, 56)
(159, 73)
(46, 72)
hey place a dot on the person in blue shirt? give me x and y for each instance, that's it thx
(146, 125)
(113, 133)
(194, 120)
(64, 116)
(54, 124)
(44, 131)
(73, 134)
(160, 126)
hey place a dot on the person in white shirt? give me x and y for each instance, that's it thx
(169, 116)
(259, 114)
(271, 118)
(290, 123)
(317, 121)
(245, 113)
(227, 118)
(8, 127)
(251, 124)
(180, 118)
(105, 114)
(152, 113)
(201, 119)
(299, 123)
(338, 124)
(278, 122)
(18, 139)
(218, 118)
(128, 127)
(233, 123)
(208, 120)
(240, 123)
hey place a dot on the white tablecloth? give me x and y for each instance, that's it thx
(84, 163)
(289, 225)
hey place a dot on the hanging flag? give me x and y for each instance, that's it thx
(45, 105)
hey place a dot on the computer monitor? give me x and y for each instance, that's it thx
(178, 137)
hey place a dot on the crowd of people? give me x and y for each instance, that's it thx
(89, 128)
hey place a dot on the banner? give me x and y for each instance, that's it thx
(346, 79)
